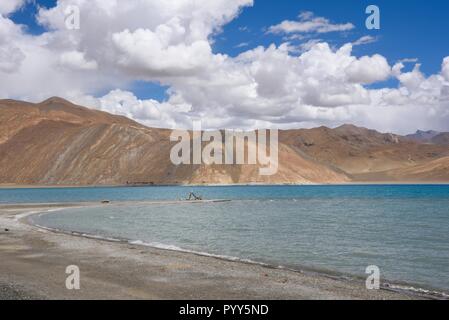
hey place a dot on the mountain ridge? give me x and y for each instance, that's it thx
(56, 142)
(430, 136)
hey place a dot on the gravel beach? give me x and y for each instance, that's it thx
(34, 261)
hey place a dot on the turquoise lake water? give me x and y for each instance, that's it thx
(404, 230)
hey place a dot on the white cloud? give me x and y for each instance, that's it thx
(171, 42)
(445, 68)
(369, 69)
(242, 45)
(364, 40)
(149, 112)
(76, 60)
(10, 59)
(8, 30)
(409, 60)
(9, 6)
(306, 46)
(150, 52)
(309, 23)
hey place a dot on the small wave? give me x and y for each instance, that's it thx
(162, 246)
(388, 286)
(420, 291)
(20, 216)
(79, 234)
(169, 247)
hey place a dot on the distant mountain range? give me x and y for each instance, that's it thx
(58, 143)
(431, 136)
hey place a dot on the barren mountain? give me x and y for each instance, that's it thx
(58, 143)
(432, 171)
(432, 137)
(423, 136)
(441, 139)
(358, 150)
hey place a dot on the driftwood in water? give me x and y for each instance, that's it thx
(194, 197)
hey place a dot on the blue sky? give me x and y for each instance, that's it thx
(235, 63)
(413, 29)
(27, 15)
(409, 29)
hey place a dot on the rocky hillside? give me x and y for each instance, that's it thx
(433, 137)
(58, 143)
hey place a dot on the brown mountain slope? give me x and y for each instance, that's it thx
(59, 143)
(441, 139)
(433, 171)
(16, 115)
(437, 170)
(422, 136)
(361, 151)
(430, 137)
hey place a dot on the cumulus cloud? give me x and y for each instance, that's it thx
(364, 40)
(77, 60)
(304, 46)
(170, 42)
(8, 6)
(173, 37)
(445, 68)
(369, 69)
(8, 30)
(307, 23)
(150, 52)
(10, 59)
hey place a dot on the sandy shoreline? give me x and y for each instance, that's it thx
(33, 263)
